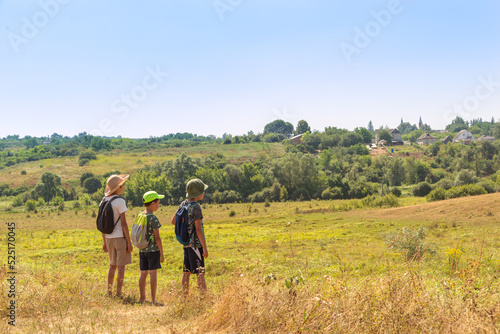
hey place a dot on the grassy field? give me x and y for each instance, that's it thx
(317, 266)
(129, 162)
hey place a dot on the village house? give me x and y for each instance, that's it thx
(395, 134)
(297, 139)
(464, 137)
(426, 139)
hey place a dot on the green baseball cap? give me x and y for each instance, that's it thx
(151, 196)
(195, 188)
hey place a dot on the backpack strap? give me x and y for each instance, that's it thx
(111, 200)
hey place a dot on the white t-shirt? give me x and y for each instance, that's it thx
(119, 207)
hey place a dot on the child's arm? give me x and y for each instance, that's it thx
(104, 246)
(201, 236)
(158, 242)
(173, 219)
(123, 221)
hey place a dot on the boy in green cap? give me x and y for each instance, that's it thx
(196, 251)
(151, 256)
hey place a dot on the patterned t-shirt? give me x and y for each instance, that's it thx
(194, 213)
(153, 224)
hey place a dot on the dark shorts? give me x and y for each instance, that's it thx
(193, 263)
(149, 260)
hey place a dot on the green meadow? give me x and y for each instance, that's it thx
(319, 266)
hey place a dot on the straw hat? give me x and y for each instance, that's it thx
(114, 182)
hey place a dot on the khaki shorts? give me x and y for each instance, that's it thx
(117, 250)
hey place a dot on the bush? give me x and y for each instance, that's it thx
(92, 184)
(57, 200)
(438, 194)
(445, 184)
(410, 243)
(395, 191)
(83, 162)
(232, 213)
(85, 176)
(489, 186)
(465, 176)
(41, 202)
(30, 205)
(332, 193)
(85, 200)
(386, 201)
(18, 201)
(466, 190)
(23, 172)
(422, 189)
(228, 196)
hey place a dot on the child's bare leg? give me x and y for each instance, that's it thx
(185, 283)
(142, 285)
(201, 282)
(152, 282)
(111, 278)
(119, 280)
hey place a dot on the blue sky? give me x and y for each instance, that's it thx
(148, 68)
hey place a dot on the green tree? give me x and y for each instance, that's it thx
(385, 135)
(457, 125)
(406, 128)
(279, 126)
(48, 186)
(370, 126)
(283, 194)
(92, 184)
(367, 135)
(302, 127)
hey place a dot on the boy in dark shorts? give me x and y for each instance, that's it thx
(151, 256)
(196, 252)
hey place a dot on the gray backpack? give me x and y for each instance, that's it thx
(139, 231)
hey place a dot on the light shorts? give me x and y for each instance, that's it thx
(117, 250)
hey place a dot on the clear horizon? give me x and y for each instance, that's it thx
(137, 70)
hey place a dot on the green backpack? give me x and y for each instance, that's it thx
(139, 231)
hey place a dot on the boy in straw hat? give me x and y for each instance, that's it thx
(117, 244)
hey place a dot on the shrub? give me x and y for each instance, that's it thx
(18, 201)
(386, 201)
(395, 191)
(489, 186)
(332, 193)
(410, 243)
(41, 202)
(445, 184)
(228, 196)
(438, 194)
(466, 190)
(76, 205)
(465, 176)
(92, 184)
(30, 205)
(422, 189)
(57, 200)
(85, 200)
(232, 213)
(85, 176)
(83, 162)
(23, 172)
